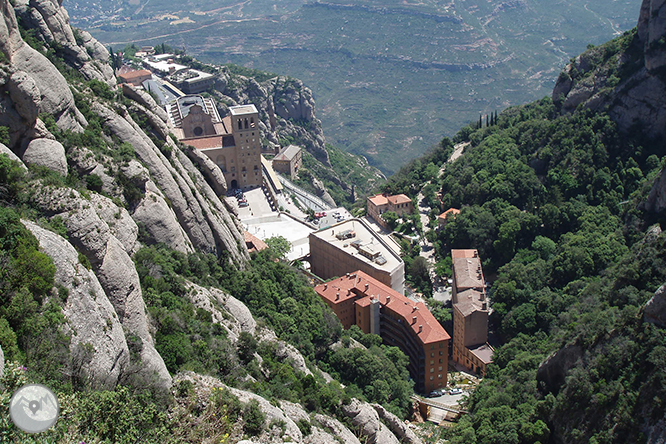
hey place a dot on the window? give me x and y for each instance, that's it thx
(440, 368)
(432, 370)
(432, 362)
(439, 376)
(432, 377)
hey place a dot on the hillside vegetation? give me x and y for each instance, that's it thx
(554, 203)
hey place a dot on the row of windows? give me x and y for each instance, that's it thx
(438, 377)
(432, 370)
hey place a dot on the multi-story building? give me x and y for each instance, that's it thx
(359, 299)
(288, 161)
(192, 81)
(379, 204)
(233, 143)
(352, 245)
(470, 312)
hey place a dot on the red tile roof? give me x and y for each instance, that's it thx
(354, 286)
(378, 200)
(253, 243)
(399, 199)
(134, 74)
(455, 254)
(202, 143)
(450, 211)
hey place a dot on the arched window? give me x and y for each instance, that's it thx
(246, 123)
(240, 124)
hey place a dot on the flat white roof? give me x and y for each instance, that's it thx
(364, 236)
(242, 109)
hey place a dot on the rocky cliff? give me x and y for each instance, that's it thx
(171, 200)
(624, 77)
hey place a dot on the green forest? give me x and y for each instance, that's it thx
(552, 202)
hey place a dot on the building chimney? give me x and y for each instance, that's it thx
(367, 286)
(420, 328)
(414, 320)
(347, 274)
(388, 299)
(325, 286)
(337, 296)
(484, 306)
(414, 309)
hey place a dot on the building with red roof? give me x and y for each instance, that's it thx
(449, 214)
(379, 204)
(359, 299)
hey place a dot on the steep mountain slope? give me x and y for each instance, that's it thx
(118, 254)
(564, 200)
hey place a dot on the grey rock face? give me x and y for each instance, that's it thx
(47, 153)
(397, 426)
(553, 370)
(145, 99)
(26, 96)
(98, 343)
(636, 101)
(56, 97)
(655, 309)
(651, 28)
(111, 263)
(51, 21)
(336, 428)
(280, 101)
(198, 210)
(366, 419)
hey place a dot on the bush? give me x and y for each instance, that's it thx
(254, 418)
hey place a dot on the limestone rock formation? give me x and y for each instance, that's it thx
(655, 310)
(51, 21)
(160, 222)
(47, 153)
(199, 211)
(631, 89)
(91, 234)
(98, 346)
(281, 101)
(397, 426)
(366, 419)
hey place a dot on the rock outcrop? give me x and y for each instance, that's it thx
(281, 101)
(199, 211)
(11, 155)
(552, 372)
(364, 417)
(80, 50)
(98, 346)
(655, 310)
(630, 86)
(32, 85)
(47, 153)
(91, 234)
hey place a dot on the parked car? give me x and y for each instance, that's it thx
(435, 393)
(456, 391)
(243, 204)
